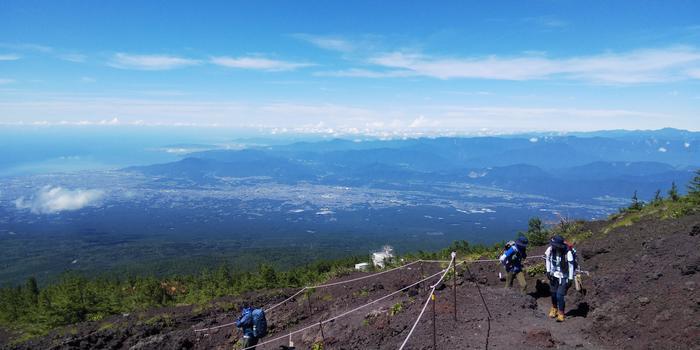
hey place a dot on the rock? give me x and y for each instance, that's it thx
(689, 286)
(644, 300)
(689, 269)
(539, 337)
(695, 231)
(654, 275)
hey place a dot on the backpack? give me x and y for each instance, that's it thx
(572, 249)
(518, 255)
(259, 323)
(564, 263)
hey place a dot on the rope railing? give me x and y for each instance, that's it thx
(326, 285)
(481, 260)
(316, 324)
(427, 301)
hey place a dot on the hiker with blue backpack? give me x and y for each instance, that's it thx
(253, 324)
(559, 261)
(512, 259)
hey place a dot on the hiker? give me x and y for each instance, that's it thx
(253, 324)
(245, 324)
(560, 271)
(512, 258)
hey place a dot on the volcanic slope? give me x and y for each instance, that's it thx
(641, 293)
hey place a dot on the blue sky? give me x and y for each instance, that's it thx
(389, 67)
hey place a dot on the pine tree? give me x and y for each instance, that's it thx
(694, 187)
(673, 192)
(31, 291)
(536, 234)
(657, 197)
(268, 275)
(636, 203)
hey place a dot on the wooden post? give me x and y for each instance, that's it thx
(432, 296)
(454, 284)
(308, 300)
(323, 338)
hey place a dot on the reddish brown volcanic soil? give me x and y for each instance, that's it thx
(642, 293)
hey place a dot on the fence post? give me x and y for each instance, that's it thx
(308, 300)
(422, 276)
(323, 338)
(432, 297)
(454, 283)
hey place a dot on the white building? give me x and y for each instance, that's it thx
(380, 258)
(362, 266)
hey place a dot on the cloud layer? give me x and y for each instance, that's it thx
(258, 63)
(640, 66)
(150, 62)
(51, 200)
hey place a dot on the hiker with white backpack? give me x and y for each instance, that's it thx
(559, 261)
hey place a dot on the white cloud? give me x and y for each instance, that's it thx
(50, 200)
(88, 110)
(150, 62)
(73, 57)
(365, 73)
(258, 63)
(9, 57)
(27, 47)
(663, 149)
(547, 21)
(327, 42)
(639, 66)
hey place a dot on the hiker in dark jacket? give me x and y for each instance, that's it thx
(245, 324)
(512, 259)
(560, 270)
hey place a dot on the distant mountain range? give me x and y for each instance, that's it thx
(571, 167)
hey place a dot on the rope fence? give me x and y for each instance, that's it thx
(319, 286)
(431, 297)
(317, 324)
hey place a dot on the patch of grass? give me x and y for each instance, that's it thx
(105, 326)
(317, 346)
(327, 297)
(361, 293)
(536, 269)
(166, 320)
(664, 210)
(395, 309)
(227, 305)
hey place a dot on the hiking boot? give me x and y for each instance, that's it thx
(553, 312)
(560, 316)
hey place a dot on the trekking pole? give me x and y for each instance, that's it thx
(454, 284)
(432, 297)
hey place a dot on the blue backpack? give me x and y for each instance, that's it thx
(259, 323)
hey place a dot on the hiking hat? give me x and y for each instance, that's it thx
(557, 242)
(522, 241)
